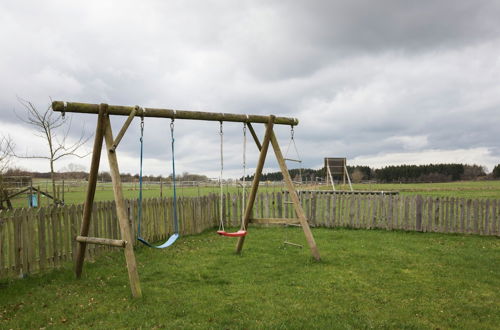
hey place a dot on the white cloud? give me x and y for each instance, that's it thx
(361, 82)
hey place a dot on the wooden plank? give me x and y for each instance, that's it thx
(468, 215)
(476, 218)
(17, 242)
(121, 212)
(418, 222)
(32, 222)
(25, 242)
(351, 210)
(314, 202)
(328, 216)
(407, 213)
(73, 219)
(481, 217)
(428, 221)
(487, 218)
(3, 246)
(273, 205)
(335, 200)
(66, 235)
(373, 210)
(450, 222)
(494, 217)
(437, 207)
(41, 239)
(58, 236)
(389, 212)
(462, 215)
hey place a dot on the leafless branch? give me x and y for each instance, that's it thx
(6, 146)
(54, 129)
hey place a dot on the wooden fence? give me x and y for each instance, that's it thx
(32, 240)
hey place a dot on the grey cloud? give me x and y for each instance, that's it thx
(358, 74)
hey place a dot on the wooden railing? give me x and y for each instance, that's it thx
(32, 240)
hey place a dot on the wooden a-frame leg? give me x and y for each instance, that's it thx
(256, 180)
(89, 199)
(133, 275)
(295, 198)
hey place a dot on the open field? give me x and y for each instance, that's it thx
(462, 189)
(366, 279)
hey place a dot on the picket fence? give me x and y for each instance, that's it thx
(33, 240)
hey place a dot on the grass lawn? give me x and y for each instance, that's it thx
(366, 279)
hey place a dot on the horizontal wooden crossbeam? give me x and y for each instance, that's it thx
(101, 241)
(274, 221)
(170, 113)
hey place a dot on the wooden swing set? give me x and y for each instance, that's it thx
(104, 132)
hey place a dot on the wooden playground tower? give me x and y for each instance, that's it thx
(103, 132)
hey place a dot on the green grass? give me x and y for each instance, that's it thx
(366, 279)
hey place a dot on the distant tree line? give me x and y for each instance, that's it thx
(103, 176)
(399, 173)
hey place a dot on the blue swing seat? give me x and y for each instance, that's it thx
(169, 242)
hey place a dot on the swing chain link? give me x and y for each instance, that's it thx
(292, 132)
(221, 133)
(244, 147)
(142, 128)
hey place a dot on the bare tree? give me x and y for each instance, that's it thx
(54, 129)
(6, 145)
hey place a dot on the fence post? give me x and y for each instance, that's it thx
(418, 220)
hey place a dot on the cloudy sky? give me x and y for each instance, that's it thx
(379, 82)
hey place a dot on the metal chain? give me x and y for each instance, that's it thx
(221, 133)
(244, 175)
(142, 127)
(174, 181)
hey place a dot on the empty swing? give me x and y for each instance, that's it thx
(221, 231)
(174, 236)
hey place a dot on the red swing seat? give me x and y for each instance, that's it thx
(239, 233)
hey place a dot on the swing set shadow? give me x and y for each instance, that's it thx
(104, 133)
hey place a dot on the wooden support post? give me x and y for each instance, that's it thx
(256, 180)
(295, 198)
(121, 211)
(89, 199)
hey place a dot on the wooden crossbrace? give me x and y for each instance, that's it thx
(101, 241)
